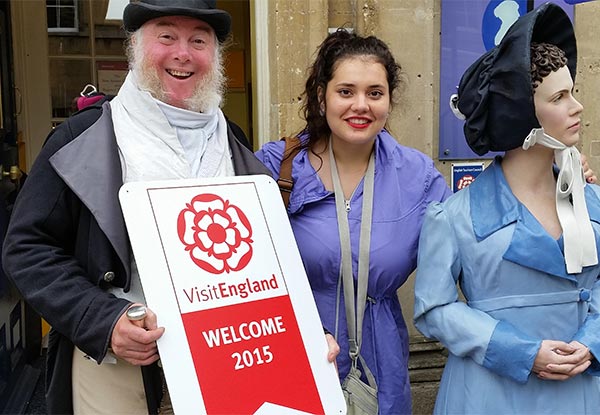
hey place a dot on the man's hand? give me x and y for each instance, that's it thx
(589, 174)
(135, 341)
(557, 360)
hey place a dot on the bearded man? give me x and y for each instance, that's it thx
(67, 249)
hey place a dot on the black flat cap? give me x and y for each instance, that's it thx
(138, 13)
(495, 93)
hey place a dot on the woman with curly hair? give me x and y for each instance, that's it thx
(345, 151)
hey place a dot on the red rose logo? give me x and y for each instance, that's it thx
(216, 233)
(465, 181)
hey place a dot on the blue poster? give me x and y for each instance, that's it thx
(463, 174)
(468, 29)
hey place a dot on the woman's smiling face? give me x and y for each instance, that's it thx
(357, 100)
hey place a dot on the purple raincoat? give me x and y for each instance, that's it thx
(406, 181)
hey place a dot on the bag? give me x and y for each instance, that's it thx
(361, 399)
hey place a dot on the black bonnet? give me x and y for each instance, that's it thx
(495, 93)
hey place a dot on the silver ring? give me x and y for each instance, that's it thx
(136, 312)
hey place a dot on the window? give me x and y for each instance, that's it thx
(62, 15)
(90, 54)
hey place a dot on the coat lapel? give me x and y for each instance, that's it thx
(90, 166)
(493, 206)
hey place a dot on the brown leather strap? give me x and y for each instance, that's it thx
(285, 181)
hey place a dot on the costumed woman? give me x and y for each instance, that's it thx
(521, 241)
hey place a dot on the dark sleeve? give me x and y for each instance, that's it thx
(50, 241)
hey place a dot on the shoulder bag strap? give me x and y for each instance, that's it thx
(354, 318)
(285, 181)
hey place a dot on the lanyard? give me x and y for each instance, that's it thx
(354, 318)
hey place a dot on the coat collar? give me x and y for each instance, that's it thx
(90, 166)
(493, 207)
(308, 188)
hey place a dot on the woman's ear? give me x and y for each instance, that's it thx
(321, 95)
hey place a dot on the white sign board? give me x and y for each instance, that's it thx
(220, 267)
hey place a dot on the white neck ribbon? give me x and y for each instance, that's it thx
(578, 234)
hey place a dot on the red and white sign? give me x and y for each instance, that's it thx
(220, 267)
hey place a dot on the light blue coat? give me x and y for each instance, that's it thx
(518, 293)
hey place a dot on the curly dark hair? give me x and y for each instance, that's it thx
(545, 58)
(337, 46)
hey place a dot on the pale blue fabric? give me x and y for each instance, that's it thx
(406, 181)
(518, 293)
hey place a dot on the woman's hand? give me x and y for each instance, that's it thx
(557, 360)
(333, 349)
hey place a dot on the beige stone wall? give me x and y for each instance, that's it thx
(296, 29)
(587, 85)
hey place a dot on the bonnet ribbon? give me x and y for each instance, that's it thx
(578, 235)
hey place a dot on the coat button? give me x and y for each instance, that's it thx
(109, 276)
(585, 295)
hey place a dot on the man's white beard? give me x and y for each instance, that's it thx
(208, 93)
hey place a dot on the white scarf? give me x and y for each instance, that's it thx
(578, 235)
(150, 138)
(160, 142)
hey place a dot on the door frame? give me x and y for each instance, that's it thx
(261, 92)
(31, 78)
